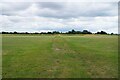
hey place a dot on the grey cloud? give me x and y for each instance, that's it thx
(12, 8)
(62, 9)
(82, 9)
(51, 5)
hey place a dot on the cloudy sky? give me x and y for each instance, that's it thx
(59, 16)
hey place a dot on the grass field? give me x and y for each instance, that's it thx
(60, 56)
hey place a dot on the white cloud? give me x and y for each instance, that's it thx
(34, 17)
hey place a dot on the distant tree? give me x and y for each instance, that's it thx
(78, 32)
(102, 32)
(86, 32)
(56, 32)
(4, 32)
(36, 33)
(42, 33)
(11, 32)
(26, 33)
(15, 32)
(112, 33)
(71, 32)
(49, 32)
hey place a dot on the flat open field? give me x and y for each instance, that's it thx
(60, 56)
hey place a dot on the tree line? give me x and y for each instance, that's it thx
(57, 32)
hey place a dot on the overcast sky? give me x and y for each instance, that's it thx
(59, 16)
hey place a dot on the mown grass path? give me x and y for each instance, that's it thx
(67, 63)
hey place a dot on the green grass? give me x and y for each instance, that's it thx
(60, 56)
